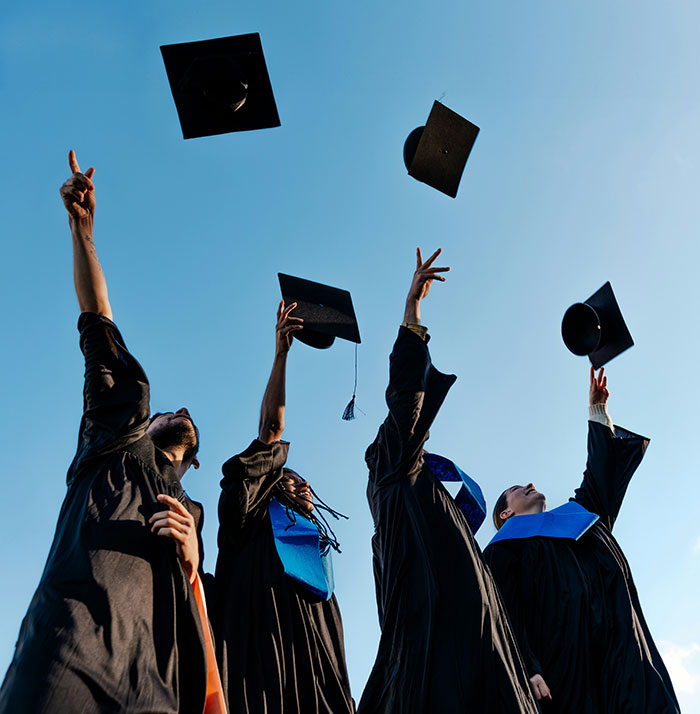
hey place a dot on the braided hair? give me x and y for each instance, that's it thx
(326, 535)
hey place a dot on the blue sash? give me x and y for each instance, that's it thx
(469, 499)
(298, 547)
(568, 521)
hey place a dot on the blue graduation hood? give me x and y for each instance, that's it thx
(470, 499)
(298, 546)
(568, 521)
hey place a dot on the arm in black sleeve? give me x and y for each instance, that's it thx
(116, 390)
(249, 477)
(506, 572)
(415, 393)
(613, 457)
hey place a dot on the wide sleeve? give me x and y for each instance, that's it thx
(412, 378)
(505, 569)
(249, 478)
(116, 390)
(613, 457)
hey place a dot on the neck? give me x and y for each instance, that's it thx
(535, 508)
(175, 456)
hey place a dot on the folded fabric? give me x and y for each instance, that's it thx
(470, 499)
(298, 546)
(568, 521)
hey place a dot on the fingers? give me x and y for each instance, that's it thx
(171, 516)
(419, 259)
(287, 310)
(592, 375)
(73, 162)
(90, 172)
(175, 505)
(432, 258)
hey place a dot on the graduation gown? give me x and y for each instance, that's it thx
(573, 603)
(280, 647)
(446, 645)
(113, 625)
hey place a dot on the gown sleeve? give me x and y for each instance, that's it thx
(505, 569)
(613, 457)
(399, 443)
(115, 393)
(249, 478)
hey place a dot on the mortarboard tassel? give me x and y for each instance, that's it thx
(349, 413)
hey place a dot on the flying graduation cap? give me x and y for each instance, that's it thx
(437, 153)
(220, 85)
(327, 313)
(596, 328)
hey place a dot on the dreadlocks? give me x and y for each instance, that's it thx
(326, 535)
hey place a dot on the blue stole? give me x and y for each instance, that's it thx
(298, 547)
(469, 499)
(568, 521)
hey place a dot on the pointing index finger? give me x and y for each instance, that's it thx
(73, 162)
(174, 504)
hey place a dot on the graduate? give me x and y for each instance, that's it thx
(118, 622)
(446, 645)
(569, 589)
(278, 628)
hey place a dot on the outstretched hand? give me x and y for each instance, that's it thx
(286, 325)
(78, 192)
(177, 523)
(598, 392)
(424, 275)
(423, 278)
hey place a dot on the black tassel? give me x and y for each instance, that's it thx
(349, 413)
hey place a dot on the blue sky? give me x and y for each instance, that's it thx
(585, 170)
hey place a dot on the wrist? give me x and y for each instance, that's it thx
(412, 312)
(82, 227)
(281, 354)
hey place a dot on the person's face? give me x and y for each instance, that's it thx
(174, 429)
(523, 499)
(298, 491)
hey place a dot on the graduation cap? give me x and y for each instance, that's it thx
(437, 152)
(220, 85)
(596, 328)
(327, 313)
(470, 498)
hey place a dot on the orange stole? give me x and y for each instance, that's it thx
(215, 704)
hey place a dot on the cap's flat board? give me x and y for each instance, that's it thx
(615, 337)
(201, 112)
(443, 150)
(323, 308)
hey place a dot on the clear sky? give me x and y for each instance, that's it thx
(585, 170)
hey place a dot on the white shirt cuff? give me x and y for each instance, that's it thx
(599, 413)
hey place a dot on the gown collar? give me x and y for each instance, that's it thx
(568, 521)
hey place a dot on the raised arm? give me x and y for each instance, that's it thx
(409, 362)
(271, 423)
(613, 456)
(416, 389)
(78, 194)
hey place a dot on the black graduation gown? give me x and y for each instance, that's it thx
(113, 625)
(574, 606)
(446, 645)
(280, 647)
